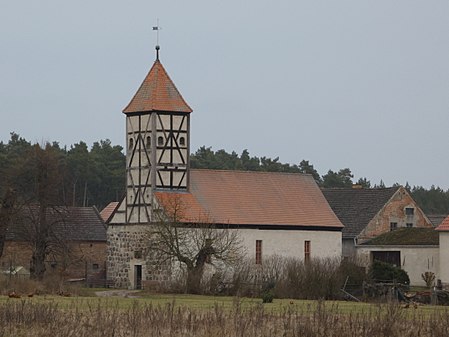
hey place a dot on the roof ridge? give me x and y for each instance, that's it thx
(250, 171)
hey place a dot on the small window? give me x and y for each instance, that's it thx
(258, 251)
(306, 251)
(95, 266)
(182, 141)
(409, 225)
(131, 144)
(148, 142)
(160, 140)
(393, 226)
(409, 211)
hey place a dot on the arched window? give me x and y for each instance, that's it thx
(182, 141)
(131, 143)
(160, 140)
(148, 142)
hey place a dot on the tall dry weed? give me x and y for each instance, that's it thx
(107, 318)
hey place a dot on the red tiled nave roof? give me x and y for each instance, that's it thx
(252, 198)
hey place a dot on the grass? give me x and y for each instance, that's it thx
(192, 315)
(205, 303)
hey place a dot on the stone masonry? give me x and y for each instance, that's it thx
(128, 248)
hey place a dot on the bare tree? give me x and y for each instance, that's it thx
(193, 244)
(39, 183)
(6, 215)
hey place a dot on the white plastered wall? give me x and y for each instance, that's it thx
(444, 258)
(415, 260)
(290, 243)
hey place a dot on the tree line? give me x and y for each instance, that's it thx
(86, 177)
(95, 176)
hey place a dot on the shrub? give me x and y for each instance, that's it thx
(429, 278)
(382, 271)
(292, 278)
(267, 296)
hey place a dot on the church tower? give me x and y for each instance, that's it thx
(157, 159)
(157, 143)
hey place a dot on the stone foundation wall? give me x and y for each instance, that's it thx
(128, 249)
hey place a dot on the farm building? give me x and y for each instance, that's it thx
(77, 242)
(368, 213)
(415, 250)
(443, 230)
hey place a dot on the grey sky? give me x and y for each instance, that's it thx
(358, 84)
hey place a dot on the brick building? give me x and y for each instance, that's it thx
(77, 242)
(368, 213)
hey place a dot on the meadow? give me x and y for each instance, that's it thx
(144, 314)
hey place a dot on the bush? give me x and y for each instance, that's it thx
(429, 278)
(267, 297)
(318, 278)
(292, 278)
(382, 271)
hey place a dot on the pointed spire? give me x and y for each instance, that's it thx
(157, 93)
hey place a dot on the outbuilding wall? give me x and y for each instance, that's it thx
(415, 260)
(444, 257)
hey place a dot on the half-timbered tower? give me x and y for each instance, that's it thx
(157, 144)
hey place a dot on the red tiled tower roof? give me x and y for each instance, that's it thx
(444, 226)
(157, 93)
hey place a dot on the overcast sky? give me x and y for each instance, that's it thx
(349, 83)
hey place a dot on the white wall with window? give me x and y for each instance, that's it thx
(260, 243)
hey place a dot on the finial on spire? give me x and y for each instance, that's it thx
(157, 29)
(157, 52)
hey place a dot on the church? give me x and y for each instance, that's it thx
(282, 214)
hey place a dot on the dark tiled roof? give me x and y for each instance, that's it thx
(405, 237)
(68, 223)
(157, 93)
(357, 207)
(253, 198)
(436, 219)
(107, 212)
(444, 226)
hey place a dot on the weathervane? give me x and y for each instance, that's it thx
(157, 29)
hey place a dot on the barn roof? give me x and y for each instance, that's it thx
(68, 224)
(406, 237)
(157, 93)
(436, 219)
(252, 198)
(444, 226)
(357, 207)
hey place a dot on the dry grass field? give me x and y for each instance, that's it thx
(188, 315)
